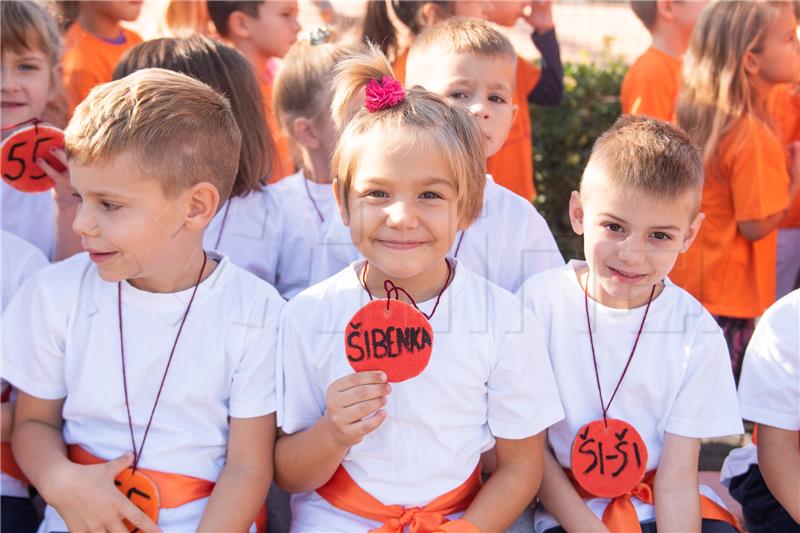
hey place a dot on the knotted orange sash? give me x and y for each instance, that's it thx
(620, 514)
(345, 494)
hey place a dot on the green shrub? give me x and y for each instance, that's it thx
(563, 138)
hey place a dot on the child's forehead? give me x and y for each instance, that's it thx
(438, 63)
(601, 194)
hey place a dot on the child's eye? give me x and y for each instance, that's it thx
(28, 66)
(377, 194)
(497, 99)
(430, 195)
(458, 95)
(77, 196)
(616, 228)
(661, 236)
(109, 206)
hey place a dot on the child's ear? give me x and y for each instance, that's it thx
(303, 132)
(430, 14)
(336, 194)
(750, 63)
(694, 227)
(665, 10)
(514, 111)
(203, 199)
(576, 212)
(239, 25)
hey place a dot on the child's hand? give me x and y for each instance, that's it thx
(352, 398)
(539, 14)
(62, 193)
(89, 501)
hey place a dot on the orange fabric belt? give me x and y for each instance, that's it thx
(620, 514)
(8, 465)
(174, 489)
(345, 494)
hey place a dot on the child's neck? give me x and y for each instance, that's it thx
(100, 26)
(178, 275)
(316, 166)
(760, 91)
(422, 287)
(255, 57)
(670, 42)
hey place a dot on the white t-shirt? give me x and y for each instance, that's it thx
(769, 389)
(680, 380)
(301, 223)
(29, 216)
(20, 259)
(224, 365)
(507, 244)
(488, 377)
(250, 234)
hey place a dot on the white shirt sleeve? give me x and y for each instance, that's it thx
(301, 400)
(523, 397)
(33, 356)
(706, 404)
(769, 390)
(253, 386)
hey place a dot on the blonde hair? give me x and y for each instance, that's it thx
(648, 157)
(715, 91)
(422, 116)
(185, 18)
(179, 131)
(302, 87)
(460, 35)
(26, 25)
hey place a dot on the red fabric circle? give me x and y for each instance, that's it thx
(608, 461)
(142, 491)
(20, 151)
(389, 335)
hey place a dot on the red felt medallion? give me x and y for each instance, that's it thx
(608, 460)
(141, 491)
(389, 335)
(20, 152)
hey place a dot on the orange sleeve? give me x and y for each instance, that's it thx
(758, 175)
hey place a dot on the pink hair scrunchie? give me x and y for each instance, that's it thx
(382, 94)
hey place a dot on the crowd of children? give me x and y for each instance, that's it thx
(237, 206)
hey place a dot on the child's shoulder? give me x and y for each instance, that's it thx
(750, 131)
(654, 62)
(328, 294)
(499, 200)
(545, 284)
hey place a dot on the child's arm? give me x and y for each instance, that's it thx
(7, 421)
(84, 496)
(306, 460)
(513, 485)
(550, 88)
(563, 502)
(779, 461)
(242, 488)
(676, 485)
(68, 243)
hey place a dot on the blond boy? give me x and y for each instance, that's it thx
(651, 85)
(627, 344)
(263, 31)
(147, 352)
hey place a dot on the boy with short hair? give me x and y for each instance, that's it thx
(94, 43)
(263, 31)
(471, 64)
(651, 85)
(148, 352)
(642, 367)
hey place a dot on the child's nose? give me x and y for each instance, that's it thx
(631, 251)
(479, 109)
(84, 224)
(402, 215)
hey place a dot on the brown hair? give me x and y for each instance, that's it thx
(220, 11)
(645, 156)
(462, 35)
(228, 72)
(646, 11)
(715, 90)
(422, 117)
(26, 25)
(170, 123)
(379, 28)
(184, 18)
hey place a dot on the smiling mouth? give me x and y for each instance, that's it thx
(10, 104)
(626, 276)
(400, 245)
(99, 257)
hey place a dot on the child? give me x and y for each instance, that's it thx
(247, 227)
(739, 52)
(151, 156)
(302, 102)
(766, 478)
(513, 163)
(651, 85)
(472, 65)
(653, 361)
(409, 173)
(20, 260)
(31, 48)
(263, 31)
(94, 44)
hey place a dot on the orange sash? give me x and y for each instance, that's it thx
(8, 465)
(343, 493)
(620, 514)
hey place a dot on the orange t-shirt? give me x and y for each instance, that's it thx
(651, 85)
(282, 161)
(748, 180)
(784, 108)
(89, 61)
(512, 165)
(399, 66)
